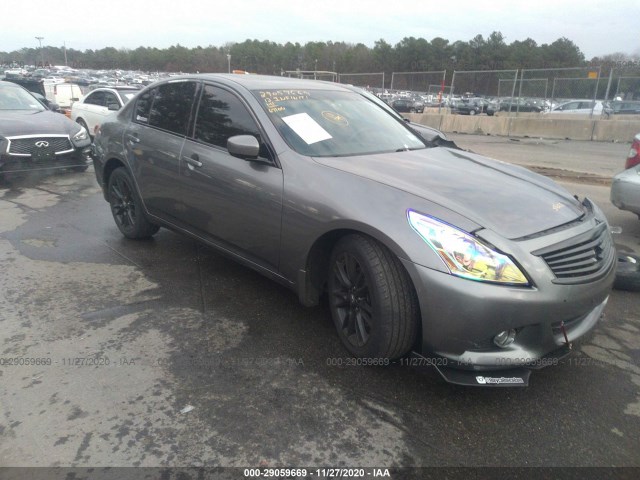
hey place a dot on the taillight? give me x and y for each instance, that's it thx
(633, 158)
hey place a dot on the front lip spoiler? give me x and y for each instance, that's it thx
(513, 377)
(510, 377)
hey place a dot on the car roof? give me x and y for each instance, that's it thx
(117, 89)
(256, 82)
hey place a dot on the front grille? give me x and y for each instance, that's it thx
(49, 145)
(27, 164)
(581, 259)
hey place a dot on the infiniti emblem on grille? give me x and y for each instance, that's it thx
(42, 144)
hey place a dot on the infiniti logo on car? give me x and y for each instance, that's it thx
(42, 144)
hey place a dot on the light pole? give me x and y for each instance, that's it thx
(41, 52)
(229, 61)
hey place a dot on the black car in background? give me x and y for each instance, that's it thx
(470, 106)
(625, 107)
(515, 105)
(34, 137)
(407, 105)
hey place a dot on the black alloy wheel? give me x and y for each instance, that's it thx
(352, 300)
(126, 207)
(372, 300)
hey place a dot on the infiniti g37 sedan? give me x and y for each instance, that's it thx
(424, 251)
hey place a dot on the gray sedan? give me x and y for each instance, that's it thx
(425, 253)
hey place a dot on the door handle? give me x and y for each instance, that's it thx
(193, 160)
(133, 138)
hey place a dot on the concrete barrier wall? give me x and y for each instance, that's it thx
(571, 129)
(600, 129)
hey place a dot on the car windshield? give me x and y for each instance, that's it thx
(16, 98)
(323, 123)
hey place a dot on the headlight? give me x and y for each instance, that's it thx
(81, 135)
(464, 255)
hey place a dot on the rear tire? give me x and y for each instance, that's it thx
(371, 298)
(126, 207)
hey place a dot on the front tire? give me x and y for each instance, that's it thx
(126, 207)
(372, 301)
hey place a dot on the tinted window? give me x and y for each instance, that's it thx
(143, 106)
(110, 98)
(222, 115)
(171, 106)
(95, 98)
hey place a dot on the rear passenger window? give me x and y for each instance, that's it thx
(171, 107)
(143, 105)
(222, 115)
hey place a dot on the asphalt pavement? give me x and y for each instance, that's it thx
(164, 353)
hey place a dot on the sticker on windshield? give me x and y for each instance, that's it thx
(272, 98)
(307, 128)
(336, 118)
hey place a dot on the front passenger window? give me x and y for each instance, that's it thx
(95, 98)
(222, 115)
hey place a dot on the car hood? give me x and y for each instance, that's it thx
(23, 122)
(510, 200)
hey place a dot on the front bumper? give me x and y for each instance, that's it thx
(461, 317)
(23, 164)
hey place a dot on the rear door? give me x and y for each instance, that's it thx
(153, 143)
(233, 202)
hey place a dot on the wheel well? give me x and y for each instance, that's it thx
(317, 268)
(108, 169)
(317, 265)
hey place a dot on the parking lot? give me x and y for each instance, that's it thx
(164, 353)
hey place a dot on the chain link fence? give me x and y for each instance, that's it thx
(627, 88)
(370, 81)
(556, 88)
(483, 83)
(507, 92)
(418, 82)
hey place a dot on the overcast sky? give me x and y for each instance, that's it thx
(595, 26)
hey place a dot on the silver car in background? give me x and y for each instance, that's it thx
(625, 187)
(427, 254)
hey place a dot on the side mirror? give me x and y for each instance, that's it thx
(54, 107)
(113, 107)
(244, 146)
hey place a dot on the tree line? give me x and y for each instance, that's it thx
(265, 57)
